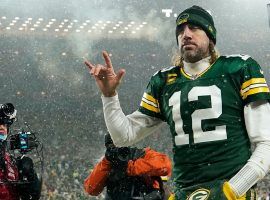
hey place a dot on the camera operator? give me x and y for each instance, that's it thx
(129, 173)
(18, 179)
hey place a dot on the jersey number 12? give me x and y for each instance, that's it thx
(197, 116)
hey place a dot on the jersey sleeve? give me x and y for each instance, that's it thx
(253, 84)
(150, 101)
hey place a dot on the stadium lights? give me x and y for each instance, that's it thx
(54, 25)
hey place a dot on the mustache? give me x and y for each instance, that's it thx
(188, 43)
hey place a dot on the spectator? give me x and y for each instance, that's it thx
(129, 173)
(17, 175)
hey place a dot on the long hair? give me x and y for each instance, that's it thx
(177, 59)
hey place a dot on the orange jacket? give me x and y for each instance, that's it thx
(151, 164)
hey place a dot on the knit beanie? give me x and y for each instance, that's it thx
(199, 17)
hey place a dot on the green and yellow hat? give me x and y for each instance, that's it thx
(200, 17)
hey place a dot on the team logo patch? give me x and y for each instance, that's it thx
(200, 194)
(210, 28)
(182, 19)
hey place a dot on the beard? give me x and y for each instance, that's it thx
(194, 55)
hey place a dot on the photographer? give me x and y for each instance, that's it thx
(18, 179)
(129, 173)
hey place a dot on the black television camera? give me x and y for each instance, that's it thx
(23, 141)
(121, 154)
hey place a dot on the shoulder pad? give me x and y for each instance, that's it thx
(243, 57)
(167, 68)
(164, 70)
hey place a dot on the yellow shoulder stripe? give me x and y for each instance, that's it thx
(150, 98)
(255, 91)
(253, 81)
(149, 107)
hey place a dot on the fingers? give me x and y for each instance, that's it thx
(107, 59)
(96, 70)
(88, 64)
(120, 74)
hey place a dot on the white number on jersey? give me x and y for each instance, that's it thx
(198, 115)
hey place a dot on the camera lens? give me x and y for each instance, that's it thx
(123, 153)
(8, 109)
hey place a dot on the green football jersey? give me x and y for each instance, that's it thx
(206, 116)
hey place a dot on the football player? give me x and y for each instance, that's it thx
(215, 106)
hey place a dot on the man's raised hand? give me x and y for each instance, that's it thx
(106, 79)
